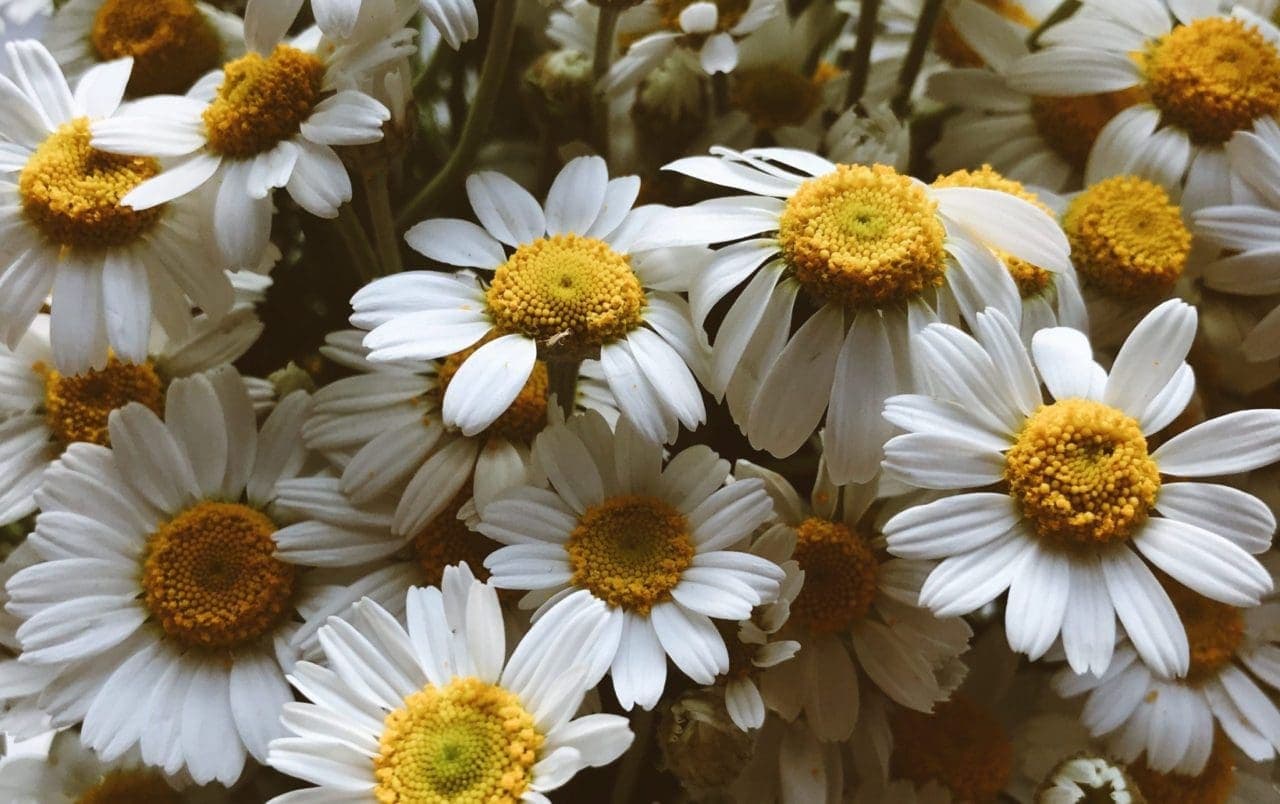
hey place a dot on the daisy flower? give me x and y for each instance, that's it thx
(159, 613)
(456, 20)
(1234, 669)
(853, 610)
(878, 253)
(711, 28)
(1082, 499)
(654, 544)
(383, 428)
(1248, 232)
(582, 278)
(790, 765)
(1035, 137)
(66, 230)
(268, 119)
(435, 711)
(172, 42)
(1048, 299)
(1203, 75)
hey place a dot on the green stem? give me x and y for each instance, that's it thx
(485, 103)
(363, 258)
(1063, 10)
(377, 195)
(606, 27)
(929, 15)
(562, 383)
(860, 60)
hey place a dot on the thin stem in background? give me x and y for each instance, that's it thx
(920, 40)
(860, 60)
(363, 257)
(606, 28)
(562, 383)
(1063, 10)
(377, 194)
(501, 38)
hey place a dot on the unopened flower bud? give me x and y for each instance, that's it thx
(559, 90)
(671, 105)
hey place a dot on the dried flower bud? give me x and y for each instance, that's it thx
(700, 744)
(559, 89)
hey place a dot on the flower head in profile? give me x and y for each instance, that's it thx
(1081, 502)
(157, 612)
(656, 544)
(110, 270)
(434, 710)
(456, 20)
(877, 253)
(266, 120)
(582, 278)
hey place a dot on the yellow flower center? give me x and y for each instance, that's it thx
(527, 414)
(465, 743)
(863, 236)
(1031, 280)
(961, 746)
(951, 46)
(1081, 472)
(1215, 630)
(211, 577)
(1213, 77)
(446, 540)
(130, 787)
(71, 192)
(570, 293)
(76, 408)
(1213, 785)
(776, 96)
(1127, 237)
(630, 551)
(171, 42)
(840, 576)
(730, 12)
(263, 101)
(1070, 125)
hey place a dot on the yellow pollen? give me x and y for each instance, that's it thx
(961, 746)
(1081, 472)
(1215, 631)
(71, 192)
(863, 236)
(1127, 238)
(570, 293)
(630, 551)
(1070, 125)
(1030, 279)
(76, 408)
(951, 46)
(263, 101)
(1213, 785)
(729, 12)
(1213, 77)
(446, 540)
(527, 414)
(130, 787)
(776, 96)
(171, 42)
(840, 576)
(211, 578)
(465, 743)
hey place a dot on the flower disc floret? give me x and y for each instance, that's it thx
(171, 42)
(863, 236)
(1081, 473)
(841, 576)
(465, 743)
(1070, 125)
(774, 96)
(1213, 785)
(525, 417)
(570, 293)
(1215, 631)
(77, 407)
(1127, 237)
(446, 540)
(1213, 77)
(630, 551)
(263, 100)
(211, 578)
(130, 787)
(71, 191)
(961, 746)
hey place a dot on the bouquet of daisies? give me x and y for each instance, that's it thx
(727, 401)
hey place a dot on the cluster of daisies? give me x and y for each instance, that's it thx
(639, 400)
